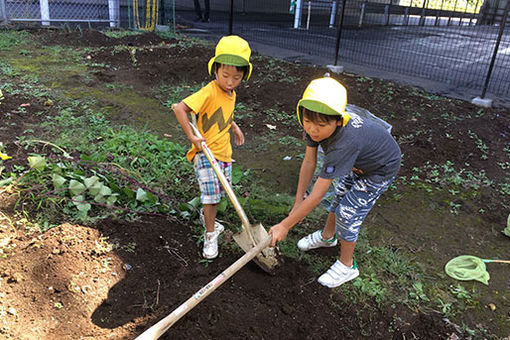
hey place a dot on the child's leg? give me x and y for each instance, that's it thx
(351, 212)
(329, 229)
(344, 185)
(347, 252)
(325, 237)
(209, 216)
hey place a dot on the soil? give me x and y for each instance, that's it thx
(69, 283)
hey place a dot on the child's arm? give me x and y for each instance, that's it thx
(280, 230)
(181, 111)
(305, 174)
(238, 134)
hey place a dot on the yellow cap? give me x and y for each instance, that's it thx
(323, 95)
(232, 50)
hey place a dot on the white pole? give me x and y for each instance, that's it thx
(333, 14)
(113, 11)
(3, 12)
(361, 15)
(297, 14)
(45, 12)
(309, 13)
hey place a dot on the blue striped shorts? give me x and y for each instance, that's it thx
(354, 197)
(211, 189)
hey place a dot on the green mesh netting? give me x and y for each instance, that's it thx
(467, 267)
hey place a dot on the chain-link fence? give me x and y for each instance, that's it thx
(451, 42)
(57, 11)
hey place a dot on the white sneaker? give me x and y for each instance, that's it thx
(338, 274)
(210, 250)
(315, 240)
(218, 227)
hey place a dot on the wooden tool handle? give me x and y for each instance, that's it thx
(221, 176)
(163, 325)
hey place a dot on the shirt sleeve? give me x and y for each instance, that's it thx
(197, 101)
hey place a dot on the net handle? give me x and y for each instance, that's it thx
(497, 261)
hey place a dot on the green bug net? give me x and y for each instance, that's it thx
(466, 268)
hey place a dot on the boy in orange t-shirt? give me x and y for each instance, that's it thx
(213, 106)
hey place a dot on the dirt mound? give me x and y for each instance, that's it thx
(114, 281)
(94, 38)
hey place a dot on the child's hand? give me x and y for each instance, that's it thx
(238, 134)
(279, 233)
(197, 141)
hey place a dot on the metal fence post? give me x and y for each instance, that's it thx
(422, 16)
(45, 12)
(339, 33)
(496, 48)
(333, 14)
(3, 11)
(361, 14)
(231, 20)
(113, 11)
(297, 14)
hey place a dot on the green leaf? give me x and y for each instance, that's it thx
(91, 181)
(111, 200)
(141, 195)
(37, 162)
(75, 187)
(104, 190)
(195, 202)
(151, 198)
(129, 193)
(99, 199)
(222, 206)
(6, 181)
(184, 207)
(506, 231)
(58, 181)
(83, 207)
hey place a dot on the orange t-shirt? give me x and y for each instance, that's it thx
(215, 110)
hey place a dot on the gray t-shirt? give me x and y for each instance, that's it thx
(362, 144)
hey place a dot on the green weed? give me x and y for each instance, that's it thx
(174, 94)
(117, 34)
(11, 38)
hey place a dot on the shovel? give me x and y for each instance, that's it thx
(251, 235)
(254, 240)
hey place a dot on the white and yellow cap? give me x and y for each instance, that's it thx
(323, 95)
(232, 50)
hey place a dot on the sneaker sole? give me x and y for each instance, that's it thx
(209, 257)
(334, 285)
(323, 246)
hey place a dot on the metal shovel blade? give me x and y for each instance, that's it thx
(267, 259)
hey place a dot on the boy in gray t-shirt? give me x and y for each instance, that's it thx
(358, 151)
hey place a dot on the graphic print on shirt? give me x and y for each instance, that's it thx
(356, 120)
(216, 117)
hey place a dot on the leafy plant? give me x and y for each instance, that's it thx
(506, 231)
